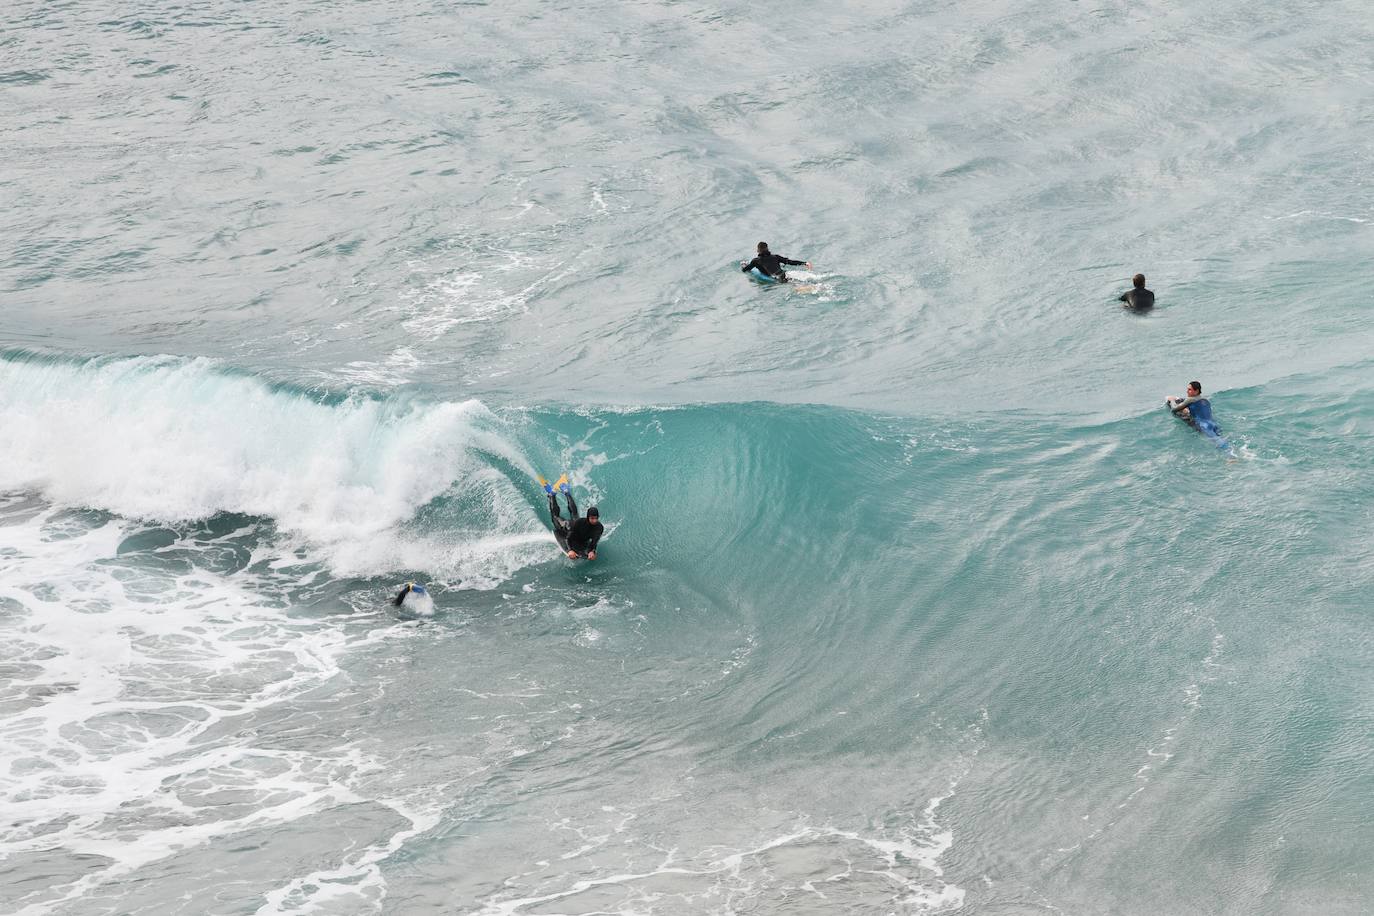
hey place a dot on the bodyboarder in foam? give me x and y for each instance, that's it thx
(410, 588)
(770, 265)
(577, 536)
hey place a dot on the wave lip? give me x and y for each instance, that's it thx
(172, 440)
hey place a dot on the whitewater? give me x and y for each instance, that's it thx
(913, 598)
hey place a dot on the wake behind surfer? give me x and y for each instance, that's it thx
(577, 536)
(1138, 297)
(770, 264)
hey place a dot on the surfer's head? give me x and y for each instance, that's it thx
(1194, 389)
(1139, 281)
(763, 247)
(593, 512)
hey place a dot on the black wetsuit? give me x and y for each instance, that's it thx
(578, 535)
(1138, 298)
(583, 535)
(771, 264)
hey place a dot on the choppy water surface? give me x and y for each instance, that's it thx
(913, 600)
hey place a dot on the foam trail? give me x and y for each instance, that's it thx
(105, 740)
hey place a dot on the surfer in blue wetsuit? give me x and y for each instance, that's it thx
(770, 264)
(577, 536)
(1196, 409)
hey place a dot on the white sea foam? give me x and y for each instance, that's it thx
(124, 683)
(175, 440)
(902, 868)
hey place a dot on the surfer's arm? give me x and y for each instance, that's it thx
(1124, 297)
(1177, 404)
(792, 262)
(745, 268)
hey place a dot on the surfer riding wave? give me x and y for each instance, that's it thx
(577, 536)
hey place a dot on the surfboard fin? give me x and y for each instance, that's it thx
(545, 484)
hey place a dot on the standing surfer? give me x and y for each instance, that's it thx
(770, 265)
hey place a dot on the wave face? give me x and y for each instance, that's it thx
(823, 651)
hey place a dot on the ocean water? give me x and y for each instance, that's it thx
(912, 598)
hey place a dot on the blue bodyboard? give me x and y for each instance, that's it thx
(759, 276)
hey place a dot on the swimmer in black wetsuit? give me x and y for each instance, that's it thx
(580, 534)
(771, 264)
(1138, 297)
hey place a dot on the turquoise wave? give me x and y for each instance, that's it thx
(864, 584)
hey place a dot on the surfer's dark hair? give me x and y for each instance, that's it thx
(1197, 385)
(1138, 280)
(763, 246)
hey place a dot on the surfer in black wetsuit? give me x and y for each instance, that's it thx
(578, 534)
(410, 588)
(584, 533)
(1138, 297)
(771, 264)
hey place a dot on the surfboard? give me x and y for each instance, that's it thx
(760, 277)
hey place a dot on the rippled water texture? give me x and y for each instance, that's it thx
(912, 598)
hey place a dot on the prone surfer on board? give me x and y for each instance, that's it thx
(770, 265)
(577, 536)
(1197, 411)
